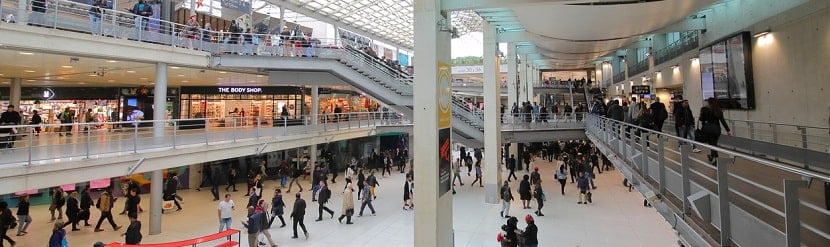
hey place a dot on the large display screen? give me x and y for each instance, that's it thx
(726, 72)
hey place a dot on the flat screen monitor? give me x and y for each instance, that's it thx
(132, 102)
(726, 72)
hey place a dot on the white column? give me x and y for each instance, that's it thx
(315, 104)
(492, 123)
(14, 93)
(512, 92)
(433, 217)
(531, 82)
(282, 18)
(156, 180)
(523, 81)
(22, 12)
(193, 7)
(312, 160)
(160, 100)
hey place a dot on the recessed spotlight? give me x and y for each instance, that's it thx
(220, 78)
(143, 78)
(174, 67)
(260, 76)
(111, 61)
(61, 78)
(185, 81)
(130, 71)
(66, 66)
(82, 83)
(29, 71)
(152, 83)
(218, 83)
(252, 81)
(26, 53)
(110, 80)
(93, 75)
(30, 80)
(222, 72)
(181, 75)
(1, 74)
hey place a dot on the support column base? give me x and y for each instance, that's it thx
(491, 193)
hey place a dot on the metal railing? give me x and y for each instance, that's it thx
(638, 67)
(619, 77)
(793, 135)
(688, 42)
(671, 167)
(57, 142)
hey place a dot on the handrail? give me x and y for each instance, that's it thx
(773, 164)
(188, 242)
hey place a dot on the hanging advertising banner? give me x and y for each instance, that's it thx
(444, 130)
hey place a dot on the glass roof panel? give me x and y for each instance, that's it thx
(389, 19)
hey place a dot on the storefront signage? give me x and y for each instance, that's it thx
(239, 90)
(48, 93)
(324, 90)
(641, 89)
(238, 5)
(444, 130)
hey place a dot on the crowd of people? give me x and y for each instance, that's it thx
(529, 112)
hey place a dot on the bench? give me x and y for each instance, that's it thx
(193, 242)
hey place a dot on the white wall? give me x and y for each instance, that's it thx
(790, 65)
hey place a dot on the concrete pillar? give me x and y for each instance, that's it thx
(22, 12)
(492, 124)
(160, 100)
(433, 218)
(192, 7)
(282, 19)
(14, 93)
(166, 12)
(523, 81)
(512, 86)
(156, 185)
(312, 160)
(533, 79)
(315, 104)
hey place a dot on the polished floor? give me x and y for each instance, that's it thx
(616, 218)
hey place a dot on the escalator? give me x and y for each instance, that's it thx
(365, 73)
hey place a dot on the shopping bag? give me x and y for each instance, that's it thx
(167, 205)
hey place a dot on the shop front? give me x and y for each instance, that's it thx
(223, 104)
(51, 101)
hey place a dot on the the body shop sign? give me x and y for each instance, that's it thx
(253, 90)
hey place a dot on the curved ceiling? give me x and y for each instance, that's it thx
(590, 31)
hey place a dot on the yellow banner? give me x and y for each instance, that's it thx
(444, 95)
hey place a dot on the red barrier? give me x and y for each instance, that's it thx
(192, 242)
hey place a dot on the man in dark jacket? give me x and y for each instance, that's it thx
(658, 111)
(684, 121)
(298, 214)
(170, 191)
(322, 199)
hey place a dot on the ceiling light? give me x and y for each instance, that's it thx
(220, 78)
(111, 61)
(185, 81)
(174, 67)
(152, 83)
(260, 76)
(82, 83)
(30, 80)
(92, 75)
(222, 72)
(675, 66)
(26, 53)
(143, 78)
(66, 66)
(693, 59)
(762, 33)
(130, 71)
(1, 74)
(29, 71)
(252, 81)
(181, 75)
(657, 72)
(110, 80)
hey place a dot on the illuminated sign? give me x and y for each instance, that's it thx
(239, 89)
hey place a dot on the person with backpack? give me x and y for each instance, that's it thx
(143, 11)
(584, 190)
(373, 183)
(539, 195)
(264, 223)
(105, 204)
(57, 203)
(322, 199)
(7, 221)
(506, 197)
(277, 208)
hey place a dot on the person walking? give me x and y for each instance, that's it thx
(478, 179)
(264, 224)
(169, 193)
(57, 204)
(6, 221)
(456, 169)
(511, 165)
(510, 233)
(367, 200)
(277, 208)
(232, 174)
(133, 233)
(582, 184)
(530, 233)
(539, 195)
(104, 204)
(23, 217)
(73, 211)
(36, 120)
(407, 193)
(535, 177)
(506, 197)
(85, 205)
(253, 224)
(133, 200)
(373, 184)
(360, 182)
(295, 174)
(659, 113)
(58, 237)
(524, 192)
(322, 199)
(348, 205)
(711, 118)
(562, 177)
(684, 122)
(225, 212)
(298, 214)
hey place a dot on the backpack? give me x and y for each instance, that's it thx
(325, 193)
(506, 195)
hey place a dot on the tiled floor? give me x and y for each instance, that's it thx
(616, 218)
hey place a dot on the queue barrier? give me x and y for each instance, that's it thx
(193, 242)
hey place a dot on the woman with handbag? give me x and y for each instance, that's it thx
(711, 118)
